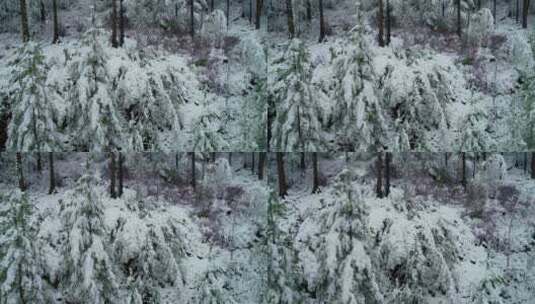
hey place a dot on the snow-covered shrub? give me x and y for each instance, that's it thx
(480, 28)
(474, 133)
(213, 287)
(88, 274)
(253, 54)
(214, 27)
(521, 54)
(20, 274)
(33, 125)
(207, 132)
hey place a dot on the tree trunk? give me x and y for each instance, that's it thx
(193, 182)
(113, 173)
(533, 165)
(114, 42)
(388, 23)
(121, 159)
(261, 161)
(459, 31)
(322, 21)
(43, 11)
(316, 179)
(463, 168)
(52, 177)
(259, 4)
(379, 170)
(24, 21)
(228, 12)
(388, 157)
(494, 10)
(192, 21)
(121, 22)
(446, 159)
(525, 162)
(22, 184)
(290, 15)
(381, 22)
(56, 21)
(39, 166)
(251, 11)
(283, 191)
(252, 162)
(517, 10)
(525, 10)
(230, 158)
(211, 5)
(302, 164)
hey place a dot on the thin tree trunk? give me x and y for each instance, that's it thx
(176, 162)
(193, 182)
(388, 157)
(379, 170)
(388, 23)
(381, 22)
(290, 15)
(446, 159)
(517, 10)
(43, 11)
(52, 177)
(56, 21)
(494, 10)
(259, 4)
(251, 11)
(113, 173)
(261, 161)
(121, 22)
(114, 42)
(211, 5)
(309, 10)
(24, 21)
(463, 168)
(121, 159)
(525, 10)
(192, 21)
(252, 162)
(22, 184)
(322, 21)
(302, 161)
(533, 165)
(230, 158)
(525, 162)
(283, 190)
(459, 31)
(228, 12)
(316, 179)
(39, 166)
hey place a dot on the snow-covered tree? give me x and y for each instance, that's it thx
(88, 274)
(207, 132)
(95, 114)
(297, 125)
(357, 114)
(475, 136)
(33, 126)
(528, 93)
(20, 276)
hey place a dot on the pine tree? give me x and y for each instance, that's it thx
(88, 274)
(297, 124)
(20, 277)
(32, 126)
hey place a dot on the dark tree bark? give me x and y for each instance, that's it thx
(525, 162)
(517, 10)
(228, 12)
(494, 10)
(176, 162)
(39, 165)
(322, 21)
(121, 160)
(309, 10)
(121, 22)
(316, 179)
(283, 190)
(193, 182)
(259, 4)
(251, 11)
(52, 176)
(192, 21)
(459, 30)
(42, 11)
(261, 162)
(252, 162)
(388, 23)
(22, 183)
(533, 165)
(381, 23)
(211, 5)
(24, 21)
(230, 158)
(113, 174)
(388, 158)
(446, 159)
(302, 163)
(379, 170)
(56, 21)
(525, 10)
(463, 168)
(290, 15)
(114, 41)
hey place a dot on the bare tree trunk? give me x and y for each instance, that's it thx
(283, 190)
(230, 158)
(24, 21)
(252, 162)
(517, 10)
(525, 162)
(446, 159)
(525, 10)
(388, 157)
(261, 162)
(121, 159)
(259, 4)
(494, 10)
(533, 165)
(316, 179)
(113, 194)
(379, 170)
(56, 21)
(322, 21)
(228, 12)
(290, 15)
(302, 164)
(43, 11)
(52, 177)
(39, 166)
(22, 184)
(251, 11)
(459, 31)
(309, 10)
(121, 22)
(463, 168)
(192, 21)
(114, 42)
(193, 182)
(211, 5)
(381, 22)
(388, 24)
